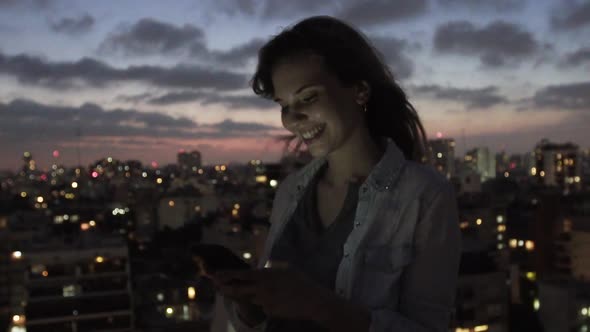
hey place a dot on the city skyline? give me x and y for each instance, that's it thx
(143, 80)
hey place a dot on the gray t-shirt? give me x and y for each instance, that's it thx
(312, 248)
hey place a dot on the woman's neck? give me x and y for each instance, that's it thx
(353, 161)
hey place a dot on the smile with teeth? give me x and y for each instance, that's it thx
(313, 133)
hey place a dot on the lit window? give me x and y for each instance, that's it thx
(480, 328)
(192, 293)
(513, 243)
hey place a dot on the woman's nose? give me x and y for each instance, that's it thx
(294, 116)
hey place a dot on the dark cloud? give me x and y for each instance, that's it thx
(206, 98)
(571, 15)
(394, 53)
(498, 43)
(472, 98)
(231, 126)
(478, 5)
(27, 4)
(376, 12)
(73, 25)
(572, 96)
(290, 9)
(34, 70)
(579, 57)
(238, 55)
(25, 120)
(149, 36)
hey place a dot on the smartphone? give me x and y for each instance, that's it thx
(214, 257)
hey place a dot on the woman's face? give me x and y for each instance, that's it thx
(314, 104)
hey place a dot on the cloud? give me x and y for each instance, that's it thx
(204, 98)
(25, 120)
(34, 70)
(571, 15)
(228, 125)
(149, 36)
(393, 51)
(497, 44)
(472, 98)
(375, 12)
(290, 9)
(479, 5)
(572, 96)
(73, 25)
(577, 58)
(27, 4)
(238, 55)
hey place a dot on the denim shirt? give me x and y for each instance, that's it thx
(401, 259)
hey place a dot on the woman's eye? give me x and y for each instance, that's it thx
(309, 98)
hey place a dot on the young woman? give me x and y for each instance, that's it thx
(365, 237)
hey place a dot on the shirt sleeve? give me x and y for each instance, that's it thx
(428, 284)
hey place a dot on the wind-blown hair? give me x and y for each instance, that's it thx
(349, 55)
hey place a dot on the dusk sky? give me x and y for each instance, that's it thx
(143, 79)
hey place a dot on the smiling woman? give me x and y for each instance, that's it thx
(366, 236)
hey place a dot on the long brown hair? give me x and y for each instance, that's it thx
(350, 56)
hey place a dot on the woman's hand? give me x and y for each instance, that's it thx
(281, 292)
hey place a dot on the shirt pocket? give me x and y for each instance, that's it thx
(382, 266)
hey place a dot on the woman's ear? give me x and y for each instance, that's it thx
(363, 92)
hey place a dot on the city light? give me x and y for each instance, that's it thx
(99, 259)
(144, 174)
(261, 179)
(584, 311)
(45, 273)
(23, 194)
(513, 243)
(92, 223)
(171, 203)
(247, 255)
(480, 328)
(464, 224)
(74, 185)
(273, 183)
(478, 221)
(55, 153)
(500, 219)
(39, 199)
(192, 293)
(536, 304)
(17, 255)
(520, 243)
(236, 206)
(542, 173)
(95, 174)
(506, 174)
(533, 171)
(530, 245)
(169, 311)
(532, 276)
(501, 228)
(159, 180)
(84, 226)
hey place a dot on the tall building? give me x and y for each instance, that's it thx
(481, 161)
(502, 162)
(558, 165)
(442, 152)
(189, 161)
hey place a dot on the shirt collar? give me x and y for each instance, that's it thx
(381, 178)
